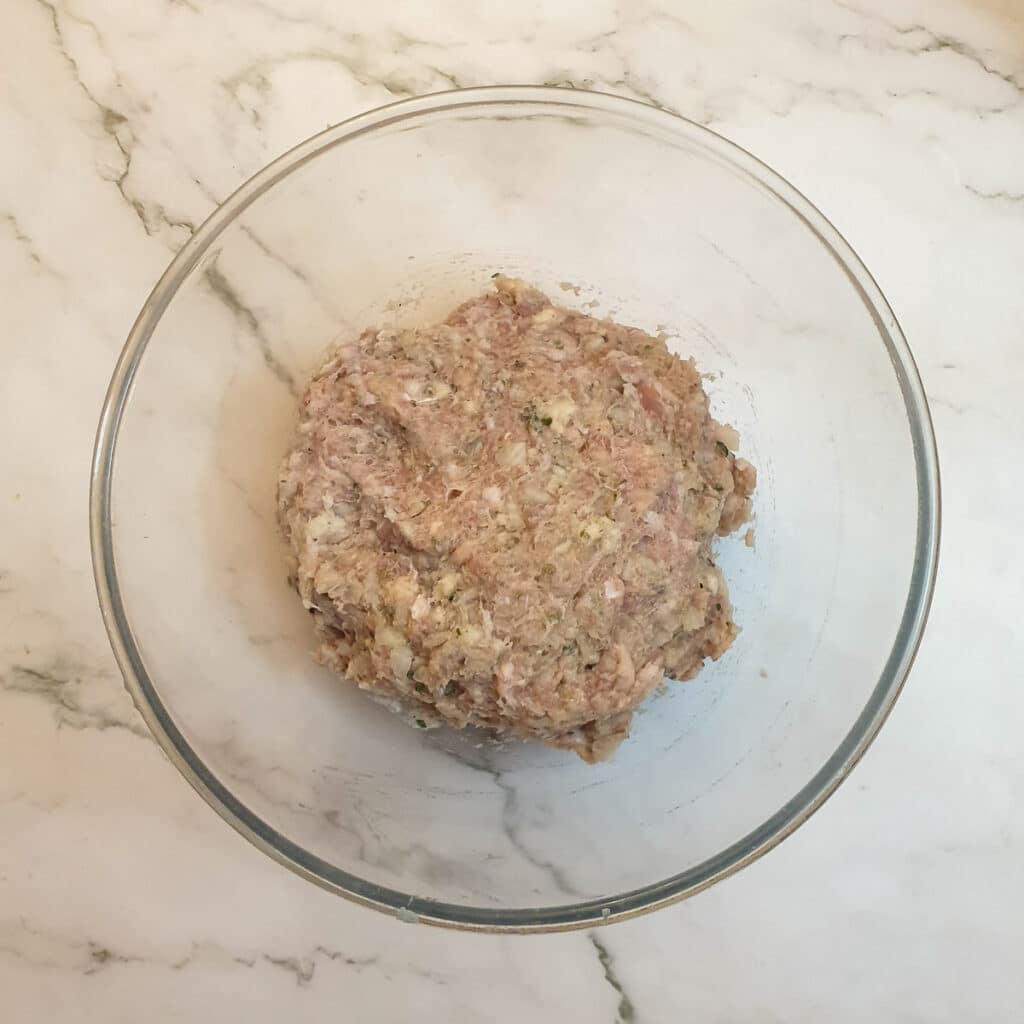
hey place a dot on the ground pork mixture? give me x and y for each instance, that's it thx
(505, 520)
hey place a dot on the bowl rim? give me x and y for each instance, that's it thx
(588, 913)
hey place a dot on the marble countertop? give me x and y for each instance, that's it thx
(122, 895)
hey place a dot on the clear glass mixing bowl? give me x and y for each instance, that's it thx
(394, 217)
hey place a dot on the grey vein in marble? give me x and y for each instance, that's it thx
(21, 237)
(626, 1012)
(510, 824)
(225, 292)
(81, 698)
(45, 950)
(1001, 194)
(933, 42)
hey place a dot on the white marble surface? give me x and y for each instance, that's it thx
(122, 895)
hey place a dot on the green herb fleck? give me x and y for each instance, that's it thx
(723, 448)
(534, 420)
(421, 723)
(420, 688)
(451, 688)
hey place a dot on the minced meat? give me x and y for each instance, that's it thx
(505, 519)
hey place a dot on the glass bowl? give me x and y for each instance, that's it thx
(392, 218)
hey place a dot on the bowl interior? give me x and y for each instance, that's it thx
(617, 210)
